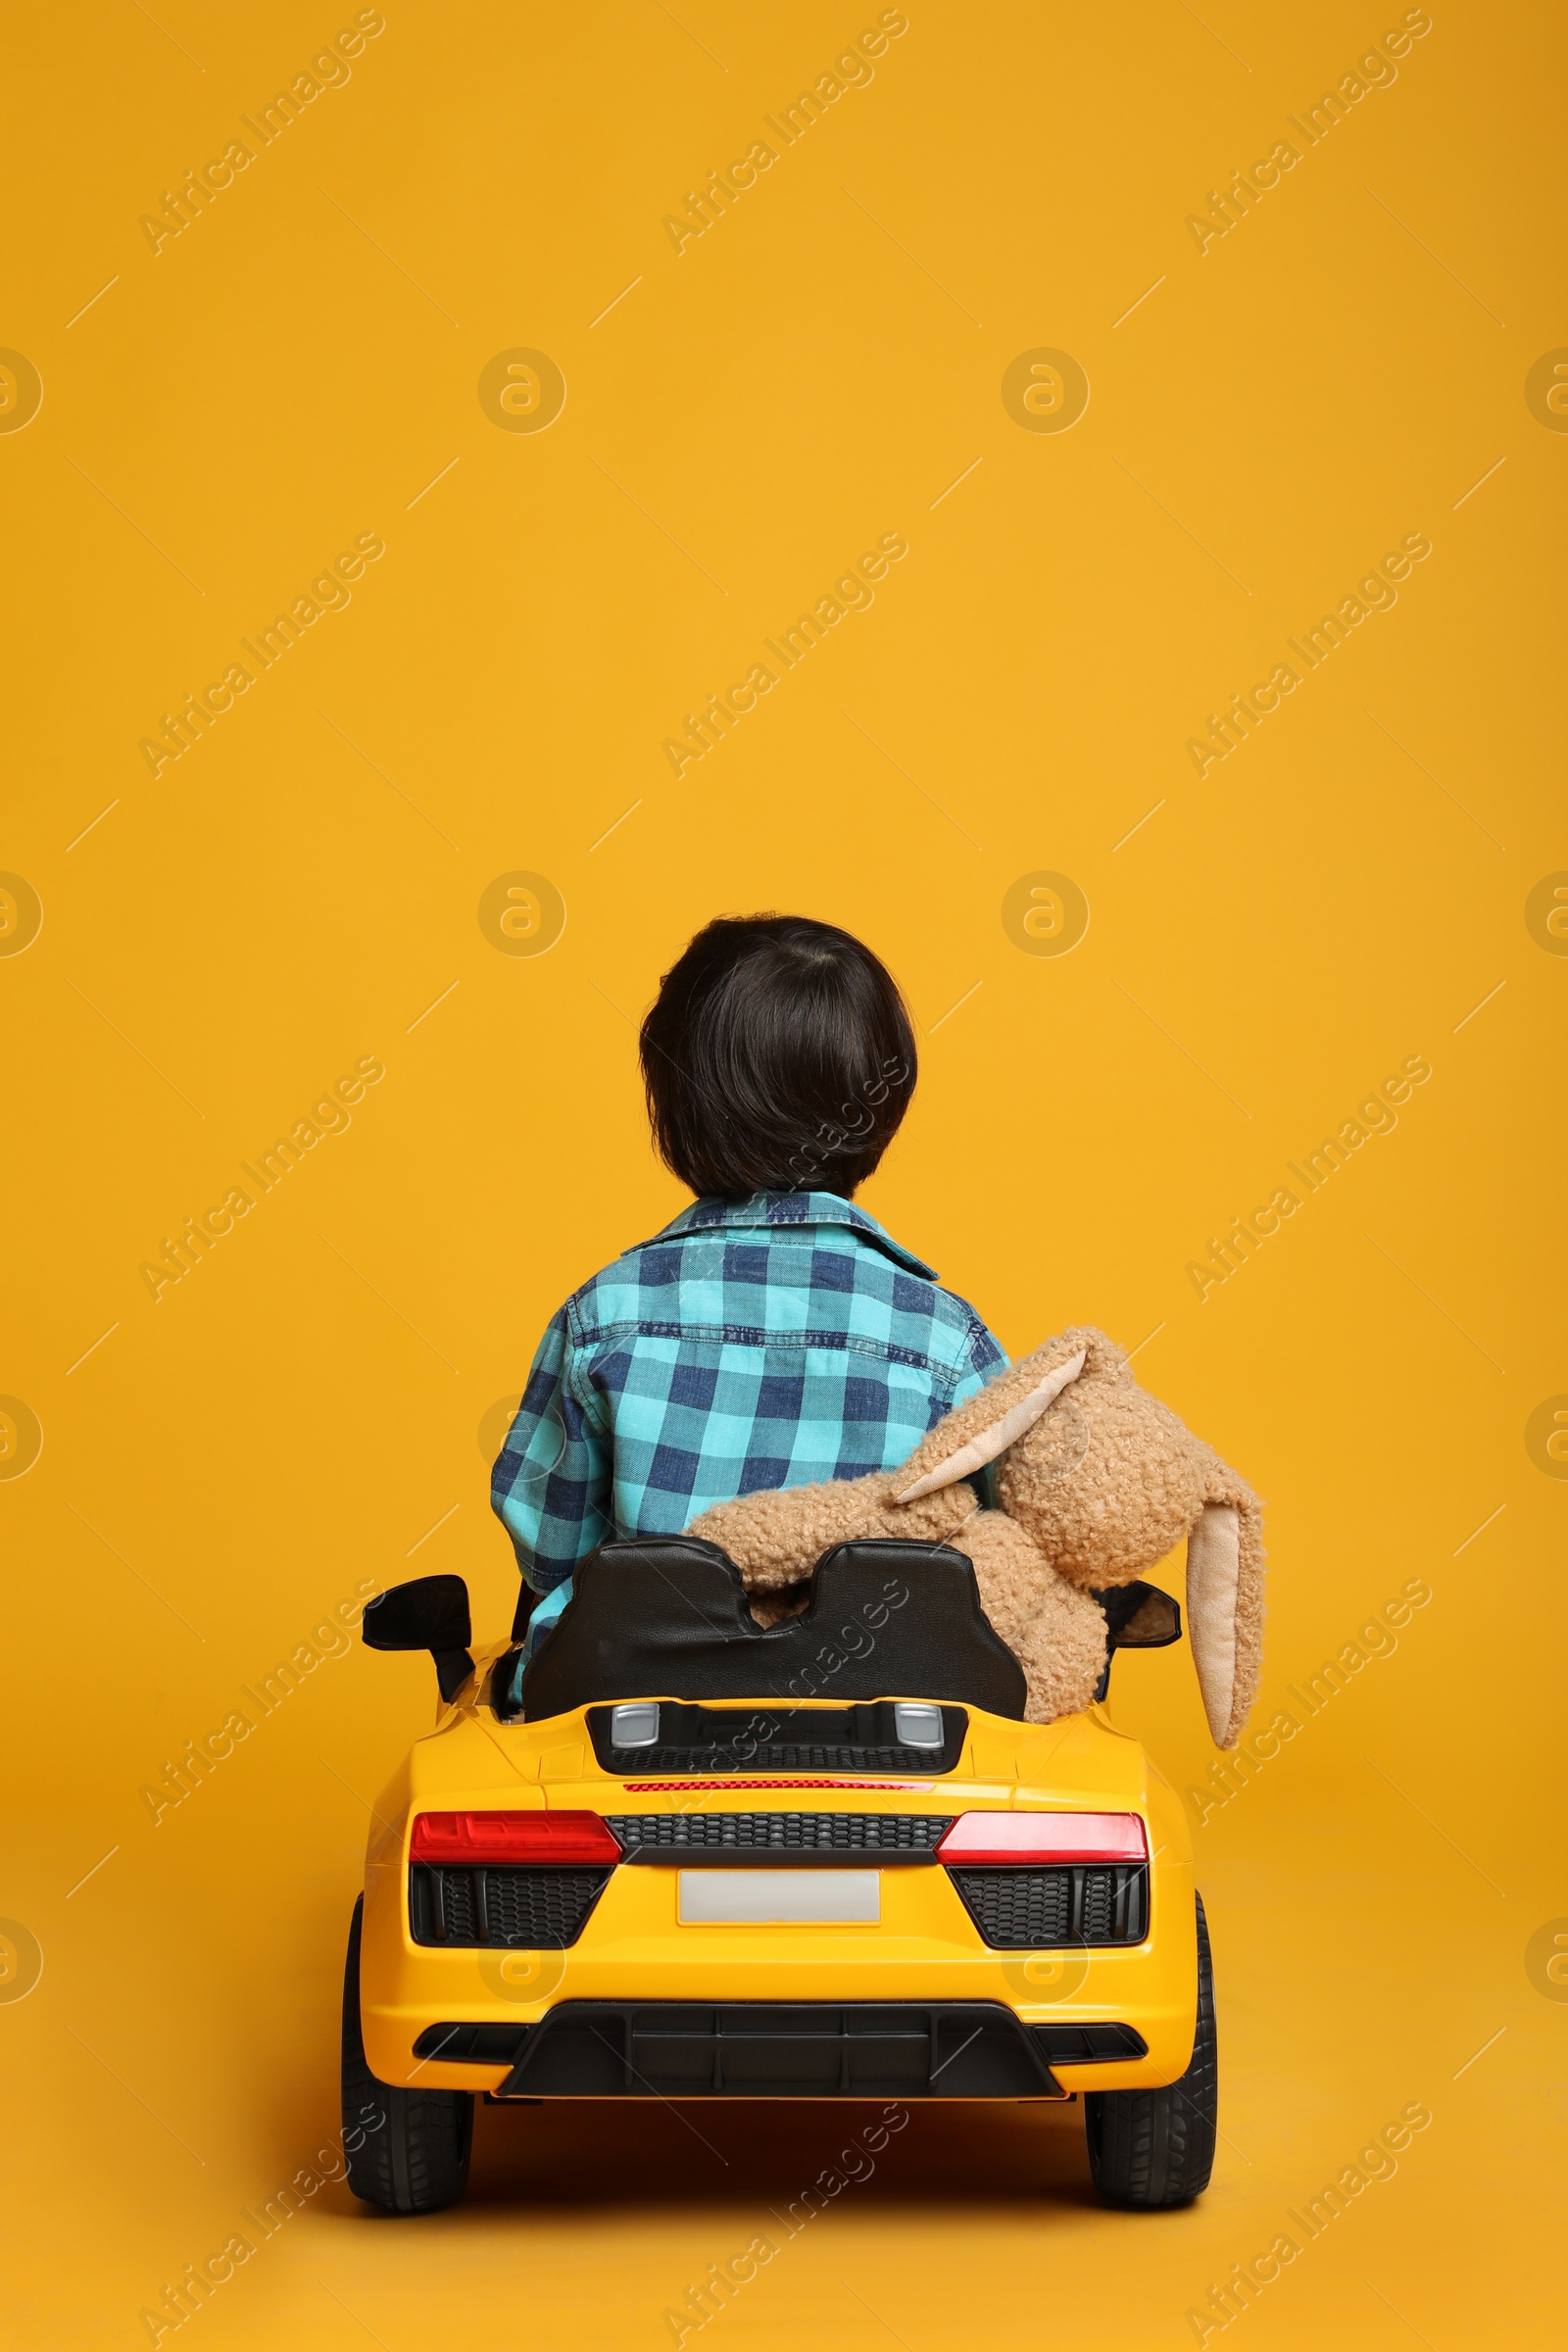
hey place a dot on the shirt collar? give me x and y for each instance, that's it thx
(783, 1210)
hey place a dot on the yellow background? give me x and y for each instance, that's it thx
(285, 1425)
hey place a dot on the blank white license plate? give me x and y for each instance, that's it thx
(792, 1898)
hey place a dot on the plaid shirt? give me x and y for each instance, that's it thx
(763, 1343)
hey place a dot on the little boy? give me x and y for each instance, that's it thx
(773, 1335)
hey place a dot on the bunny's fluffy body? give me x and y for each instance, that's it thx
(1100, 1486)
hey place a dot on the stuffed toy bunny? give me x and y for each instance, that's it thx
(1097, 1481)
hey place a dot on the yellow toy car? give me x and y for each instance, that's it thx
(675, 1856)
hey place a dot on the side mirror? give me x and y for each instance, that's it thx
(430, 1612)
(1138, 1616)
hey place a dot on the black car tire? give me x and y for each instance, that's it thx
(1151, 2149)
(406, 2150)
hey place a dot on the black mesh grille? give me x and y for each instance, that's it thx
(780, 1832)
(1104, 1906)
(454, 1920)
(1075, 1903)
(540, 1910)
(761, 1742)
(629, 1763)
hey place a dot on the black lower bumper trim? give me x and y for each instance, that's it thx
(470, 2046)
(501, 2045)
(1087, 2045)
(779, 2051)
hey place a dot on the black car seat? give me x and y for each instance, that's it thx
(666, 1617)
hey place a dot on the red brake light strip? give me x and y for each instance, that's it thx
(519, 1840)
(1022, 1838)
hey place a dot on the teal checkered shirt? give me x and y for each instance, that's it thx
(764, 1343)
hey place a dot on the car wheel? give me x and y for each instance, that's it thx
(406, 2150)
(1156, 2148)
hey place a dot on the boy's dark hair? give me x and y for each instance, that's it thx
(778, 1058)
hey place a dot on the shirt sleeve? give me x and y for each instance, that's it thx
(987, 1358)
(550, 1486)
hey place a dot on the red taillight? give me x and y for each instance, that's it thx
(1022, 1839)
(520, 1839)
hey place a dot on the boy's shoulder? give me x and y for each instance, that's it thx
(736, 1253)
(775, 1237)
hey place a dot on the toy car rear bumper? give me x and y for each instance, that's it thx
(642, 2006)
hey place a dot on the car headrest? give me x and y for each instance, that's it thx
(665, 1617)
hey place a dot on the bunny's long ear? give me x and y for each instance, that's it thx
(1225, 1602)
(998, 1430)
